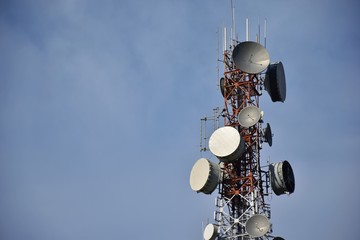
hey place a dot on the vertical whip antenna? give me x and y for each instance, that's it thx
(265, 30)
(218, 53)
(247, 29)
(258, 31)
(233, 21)
(224, 39)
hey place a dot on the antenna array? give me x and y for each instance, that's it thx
(243, 185)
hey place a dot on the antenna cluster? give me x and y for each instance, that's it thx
(243, 184)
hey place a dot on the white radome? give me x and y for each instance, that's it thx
(226, 144)
(204, 176)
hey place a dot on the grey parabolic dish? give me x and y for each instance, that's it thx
(249, 116)
(251, 57)
(258, 225)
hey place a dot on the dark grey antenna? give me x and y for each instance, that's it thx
(265, 30)
(275, 82)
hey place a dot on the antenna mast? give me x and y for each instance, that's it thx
(242, 211)
(265, 30)
(233, 28)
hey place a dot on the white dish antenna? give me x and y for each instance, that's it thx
(204, 176)
(226, 144)
(210, 232)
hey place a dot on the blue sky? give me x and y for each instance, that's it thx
(100, 105)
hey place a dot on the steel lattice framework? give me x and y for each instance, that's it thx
(244, 184)
(242, 211)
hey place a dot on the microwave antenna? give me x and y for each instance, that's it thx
(243, 184)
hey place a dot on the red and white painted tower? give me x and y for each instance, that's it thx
(242, 210)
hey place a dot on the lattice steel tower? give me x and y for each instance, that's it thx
(243, 185)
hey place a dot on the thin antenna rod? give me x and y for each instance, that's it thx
(201, 136)
(259, 30)
(247, 29)
(224, 39)
(265, 30)
(233, 20)
(217, 52)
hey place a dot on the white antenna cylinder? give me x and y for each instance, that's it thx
(259, 31)
(233, 23)
(247, 29)
(224, 40)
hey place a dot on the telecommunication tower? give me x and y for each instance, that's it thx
(244, 185)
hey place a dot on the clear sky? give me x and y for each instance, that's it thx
(100, 107)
